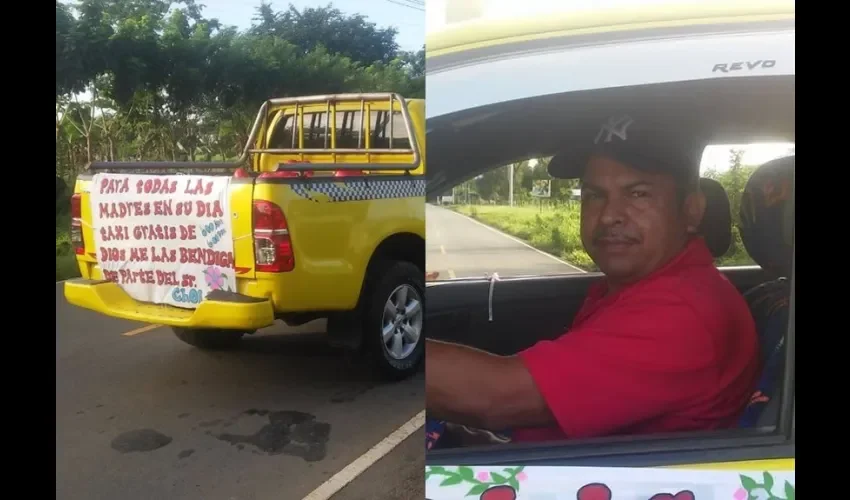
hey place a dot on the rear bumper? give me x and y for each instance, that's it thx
(220, 310)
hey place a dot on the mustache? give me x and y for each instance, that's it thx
(614, 235)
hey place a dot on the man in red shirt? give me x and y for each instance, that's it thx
(663, 343)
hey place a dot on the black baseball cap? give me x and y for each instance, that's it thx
(650, 142)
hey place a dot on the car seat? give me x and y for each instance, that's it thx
(716, 225)
(767, 225)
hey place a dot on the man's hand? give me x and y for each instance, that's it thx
(476, 388)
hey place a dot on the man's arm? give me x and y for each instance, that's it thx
(476, 388)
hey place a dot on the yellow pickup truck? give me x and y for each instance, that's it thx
(322, 216)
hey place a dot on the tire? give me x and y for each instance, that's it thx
(208, 338)
(398, 356)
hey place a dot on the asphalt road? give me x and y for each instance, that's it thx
(460, 247)
(140, 415)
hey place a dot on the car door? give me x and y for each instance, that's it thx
(507, 315)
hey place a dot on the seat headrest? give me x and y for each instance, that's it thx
(767, 216)
(716, 225)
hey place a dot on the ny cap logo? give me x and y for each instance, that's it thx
(615, 126)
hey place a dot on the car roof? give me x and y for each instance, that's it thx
(493, 32)
(664, 59)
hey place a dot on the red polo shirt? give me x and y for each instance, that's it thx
(677, 351)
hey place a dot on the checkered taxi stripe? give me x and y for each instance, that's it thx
(360, 189)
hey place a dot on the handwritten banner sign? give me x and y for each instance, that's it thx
(166, 239)
(603, 483)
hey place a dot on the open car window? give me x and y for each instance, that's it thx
(517, 220)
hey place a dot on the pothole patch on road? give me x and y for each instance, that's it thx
(139, 440)
(292, 433)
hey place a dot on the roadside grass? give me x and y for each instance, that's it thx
(556, 231)
(552, 230)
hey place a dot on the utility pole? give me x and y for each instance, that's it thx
(511, 184)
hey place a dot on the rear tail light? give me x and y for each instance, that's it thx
(240, 173)
(272, 244)
(77, 225)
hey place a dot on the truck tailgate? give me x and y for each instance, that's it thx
(240, 215)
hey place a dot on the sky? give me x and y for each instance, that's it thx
(716, 157)
(409, 22)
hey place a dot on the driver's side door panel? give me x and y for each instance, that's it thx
(524, 310)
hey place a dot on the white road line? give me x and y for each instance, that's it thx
(363, 462)
(541, 252)
(141, 330)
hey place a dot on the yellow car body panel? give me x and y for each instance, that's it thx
(109, 298)
(333, 241)
(781, 464)
(491, 32)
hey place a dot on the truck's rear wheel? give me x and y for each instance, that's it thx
(208, 338)
(393, 320)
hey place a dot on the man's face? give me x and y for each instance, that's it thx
(632, 222)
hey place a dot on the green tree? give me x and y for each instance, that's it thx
(734, 180)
